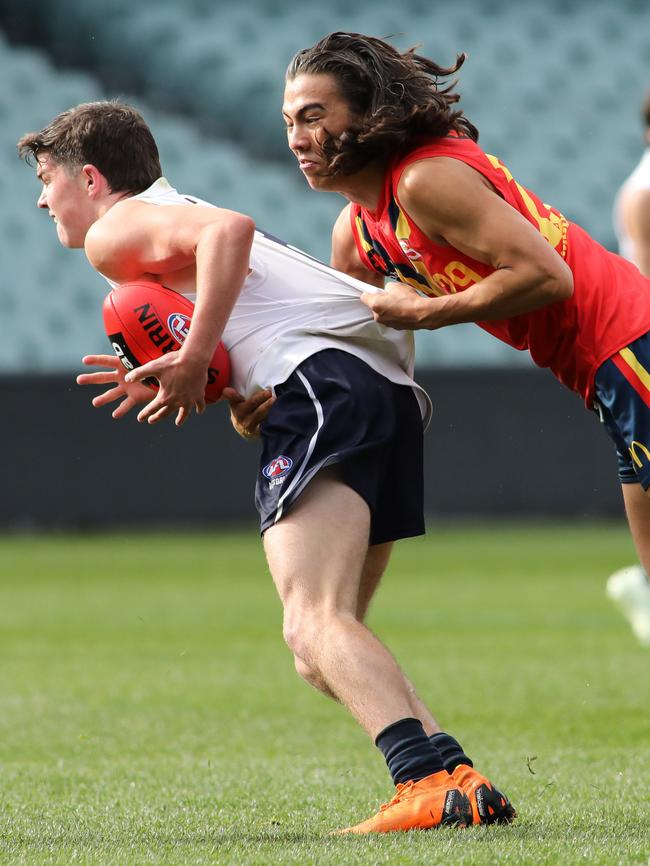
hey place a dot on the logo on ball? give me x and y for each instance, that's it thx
(278, 467)
(179, 326)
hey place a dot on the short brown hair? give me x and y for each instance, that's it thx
(108, 134)
(396, 97)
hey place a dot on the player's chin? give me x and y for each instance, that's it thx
(69, 241)
(315, 180)
(319, 183)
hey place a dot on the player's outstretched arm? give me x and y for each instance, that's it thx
(453, 205)
(129, 395)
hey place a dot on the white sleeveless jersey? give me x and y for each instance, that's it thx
(638, 180)
(292, 306)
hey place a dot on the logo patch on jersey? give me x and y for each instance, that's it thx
(412, 254)
(179, 326)
(278, 467)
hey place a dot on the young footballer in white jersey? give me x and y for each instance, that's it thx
(291, 306)
(341, 473)
(629, 587)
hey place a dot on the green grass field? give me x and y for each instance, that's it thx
(149, 713)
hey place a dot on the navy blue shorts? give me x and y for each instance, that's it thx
(335, 410)
(622, 386)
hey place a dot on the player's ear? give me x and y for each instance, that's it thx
(94, 180)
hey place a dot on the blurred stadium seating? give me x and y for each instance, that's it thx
(554, 91)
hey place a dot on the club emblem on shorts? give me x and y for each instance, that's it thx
(179, 326)
(278, 467)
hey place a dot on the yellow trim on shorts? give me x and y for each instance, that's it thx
(633, 362)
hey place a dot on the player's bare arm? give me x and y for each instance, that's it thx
(452, 204)
(345, 256)
(207, 248)
(637, 218)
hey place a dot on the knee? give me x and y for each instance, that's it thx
(298, 632)
(304, 631)
(310, 628)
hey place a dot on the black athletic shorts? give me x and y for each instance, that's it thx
(335, 409)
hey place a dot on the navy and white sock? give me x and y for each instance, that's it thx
(408, 751)
(451, 751)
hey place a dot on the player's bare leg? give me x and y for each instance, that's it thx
(373, 569)
(316, 554)
(629, 587)
(637, 508)
(488, 804)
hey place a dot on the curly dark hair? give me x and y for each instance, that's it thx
(108, 134)
(395, 97)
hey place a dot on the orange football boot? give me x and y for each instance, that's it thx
(489, 806)
(431, 802)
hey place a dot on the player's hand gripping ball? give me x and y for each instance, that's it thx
(144, 320)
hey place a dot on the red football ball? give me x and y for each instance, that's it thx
(144, 320)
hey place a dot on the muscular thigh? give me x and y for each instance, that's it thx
(316, 553)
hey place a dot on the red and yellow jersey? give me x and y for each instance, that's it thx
(610, 305)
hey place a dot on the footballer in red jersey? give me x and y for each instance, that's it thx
(610, 303)
(462, 241)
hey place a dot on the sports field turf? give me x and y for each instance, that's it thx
(149, 712)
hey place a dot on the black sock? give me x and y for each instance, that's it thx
(450, 750)
(409, 753)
